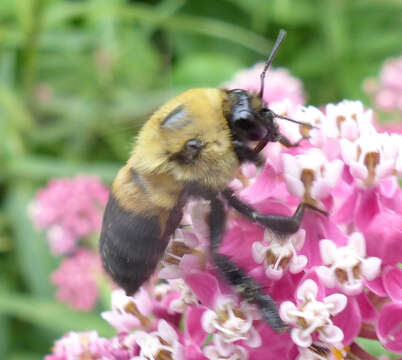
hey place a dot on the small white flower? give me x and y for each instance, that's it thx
(231, 322)
(220, 350)
(187, 296)
(280, 254)
(346, 266)
(348, 120)
(130, 312)
(160, 344)
(371, 158)
(310, 175)
(312, 315)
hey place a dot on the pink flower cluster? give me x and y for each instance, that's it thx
(334, 280)
(70, 211)
(387, 90)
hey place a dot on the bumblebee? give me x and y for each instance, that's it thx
(191, 147)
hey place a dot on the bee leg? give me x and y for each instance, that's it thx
(287, 143)
(277, 223)
(244, 153)
(244, 285)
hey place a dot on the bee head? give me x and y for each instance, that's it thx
(249, 117)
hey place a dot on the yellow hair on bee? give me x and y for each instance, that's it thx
(205, 121)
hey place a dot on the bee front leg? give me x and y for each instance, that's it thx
(277, 223)
(283, 140)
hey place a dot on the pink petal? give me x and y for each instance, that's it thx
(392, 280)
(205, 287)
(338, 302)
(262, 187)
(193, 321)
(367, 208)
(349, 321)
(383, 237)
(389, 329)
(367, 309)
(376, 286)
(389, 186)
(331, 334)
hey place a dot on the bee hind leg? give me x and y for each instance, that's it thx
(244, 285)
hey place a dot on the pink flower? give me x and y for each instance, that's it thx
(163, 342)
(279, 84)
(226, 351)
(230, 322)
(348, 120)
(76, 280)
(371, 158)
(387, 91)
(310, 175)
(347, 266)
(280, 254)
(311, 315)
(130, 312)
(389, 328)
(74, 345)
(69, 210)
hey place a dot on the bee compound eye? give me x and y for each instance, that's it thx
(192, 149)
(194, 145)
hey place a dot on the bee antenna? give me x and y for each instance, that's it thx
(279, 39)
(295, 121)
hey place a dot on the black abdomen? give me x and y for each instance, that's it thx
(131, 246)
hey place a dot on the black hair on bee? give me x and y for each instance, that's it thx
(191, 147)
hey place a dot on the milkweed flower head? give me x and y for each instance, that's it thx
(69, 211)
(387, 89)
(76, 279)
(334, 280)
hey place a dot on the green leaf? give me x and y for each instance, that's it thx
(43, 168)
(201, 70)
(375, 348)
(32, 252)
(51, 315)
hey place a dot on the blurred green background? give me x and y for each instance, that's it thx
(78, 78)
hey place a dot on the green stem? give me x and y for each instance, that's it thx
(30, 48)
